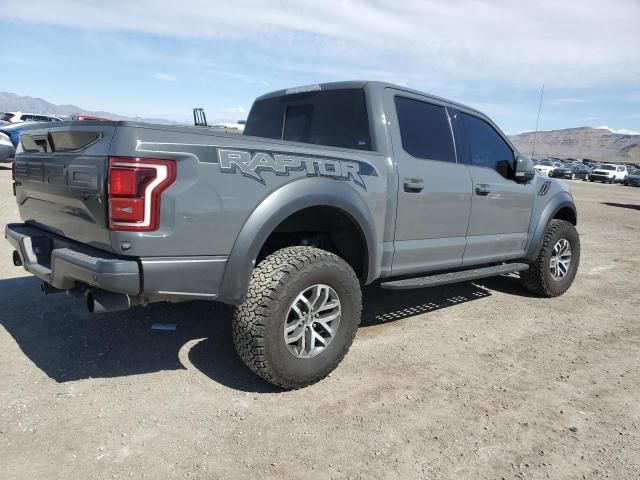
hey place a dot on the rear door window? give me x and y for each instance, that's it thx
(425, 130)
(336, 118)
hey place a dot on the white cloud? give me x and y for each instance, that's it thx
(235, 110)
(622, 131)
(432, 42)
(164, 77)
(566, 101)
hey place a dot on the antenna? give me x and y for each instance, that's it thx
(533, 148)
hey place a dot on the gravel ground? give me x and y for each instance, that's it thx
(477, 380)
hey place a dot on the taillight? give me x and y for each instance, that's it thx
(135, 187)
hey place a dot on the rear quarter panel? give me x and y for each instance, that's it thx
(203, 212)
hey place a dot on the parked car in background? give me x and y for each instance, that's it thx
(13, 130)
(7, 150)
(15, 117)
(571, 171)
(546, 166)
(82, 118)
(633, 178)
(609, 173)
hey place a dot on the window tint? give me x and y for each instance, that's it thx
(425, 130)
(336, 118)
(486, 147)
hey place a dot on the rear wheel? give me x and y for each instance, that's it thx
(553, 271)
(300, 316)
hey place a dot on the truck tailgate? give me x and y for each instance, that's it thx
(61, 180)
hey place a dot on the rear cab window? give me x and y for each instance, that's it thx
(334, 117)
(425, 130)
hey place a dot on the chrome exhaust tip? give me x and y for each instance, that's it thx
(100, 301)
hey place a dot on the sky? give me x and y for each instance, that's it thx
(157, 58)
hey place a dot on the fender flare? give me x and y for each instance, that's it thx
(556, 203)
(279, 205)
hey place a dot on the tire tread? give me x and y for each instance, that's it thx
(534, 279)
(268, 282)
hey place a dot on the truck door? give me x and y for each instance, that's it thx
(434, 190)
(500, 206)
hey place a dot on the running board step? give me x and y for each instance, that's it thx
(454, 277)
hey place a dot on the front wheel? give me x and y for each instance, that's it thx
(552, 272)
(300, 316)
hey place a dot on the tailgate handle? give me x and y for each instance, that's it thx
(42, 143)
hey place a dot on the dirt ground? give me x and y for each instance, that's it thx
(477, 380)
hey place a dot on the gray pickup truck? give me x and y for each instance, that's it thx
(330, 187)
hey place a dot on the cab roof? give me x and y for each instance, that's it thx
(359, 84)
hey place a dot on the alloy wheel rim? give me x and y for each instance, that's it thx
(560, 259)
(312, 321)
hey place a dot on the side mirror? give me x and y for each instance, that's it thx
(524, 169)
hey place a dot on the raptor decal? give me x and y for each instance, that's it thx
(251, 164)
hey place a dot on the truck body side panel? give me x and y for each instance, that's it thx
(222, 178)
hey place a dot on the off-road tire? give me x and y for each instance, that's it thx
(258, 323)
(538, 279)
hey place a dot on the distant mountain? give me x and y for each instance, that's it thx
(584, 142)
(11, 102)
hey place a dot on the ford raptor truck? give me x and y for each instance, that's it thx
(329, 188)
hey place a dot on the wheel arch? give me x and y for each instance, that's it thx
(279, 206)
(560, 207)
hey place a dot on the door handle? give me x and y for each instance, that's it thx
(413, 185)
(483, 189)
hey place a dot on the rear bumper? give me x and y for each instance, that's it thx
(600, 178)
(65, 264)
